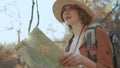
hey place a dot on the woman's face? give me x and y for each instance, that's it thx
(70, 15)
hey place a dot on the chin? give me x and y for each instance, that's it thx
(67, 23)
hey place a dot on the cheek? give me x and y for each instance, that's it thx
(76, 14)
(63, 16)
(76, 17)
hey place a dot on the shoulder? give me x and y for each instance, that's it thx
(96, 26)
(101, 33)
(100, 30)
(103, 38)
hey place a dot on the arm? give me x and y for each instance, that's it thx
(104, 49)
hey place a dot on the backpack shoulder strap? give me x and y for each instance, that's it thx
(91, 43)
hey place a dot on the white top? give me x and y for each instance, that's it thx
(74, 47)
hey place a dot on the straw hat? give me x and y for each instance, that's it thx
(57, 8)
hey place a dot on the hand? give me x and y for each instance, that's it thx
(71, 59)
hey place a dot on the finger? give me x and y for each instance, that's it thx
(67, 60)
(74, 61)
(65, 56)
(70, 63)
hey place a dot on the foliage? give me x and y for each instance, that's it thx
(9, 59)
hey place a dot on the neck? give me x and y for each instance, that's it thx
(77, 28)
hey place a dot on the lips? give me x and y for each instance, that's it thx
(68, 17)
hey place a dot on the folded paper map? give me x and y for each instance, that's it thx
(38, 51)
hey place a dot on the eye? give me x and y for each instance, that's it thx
(72, 7)
(68, 7)
(63, 10)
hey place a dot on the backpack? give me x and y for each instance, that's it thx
(91, 42)
(115, 40)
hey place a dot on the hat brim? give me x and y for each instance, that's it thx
(58, 5)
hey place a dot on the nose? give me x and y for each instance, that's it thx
(66, 12)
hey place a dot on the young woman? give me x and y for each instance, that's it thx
(78, 17)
